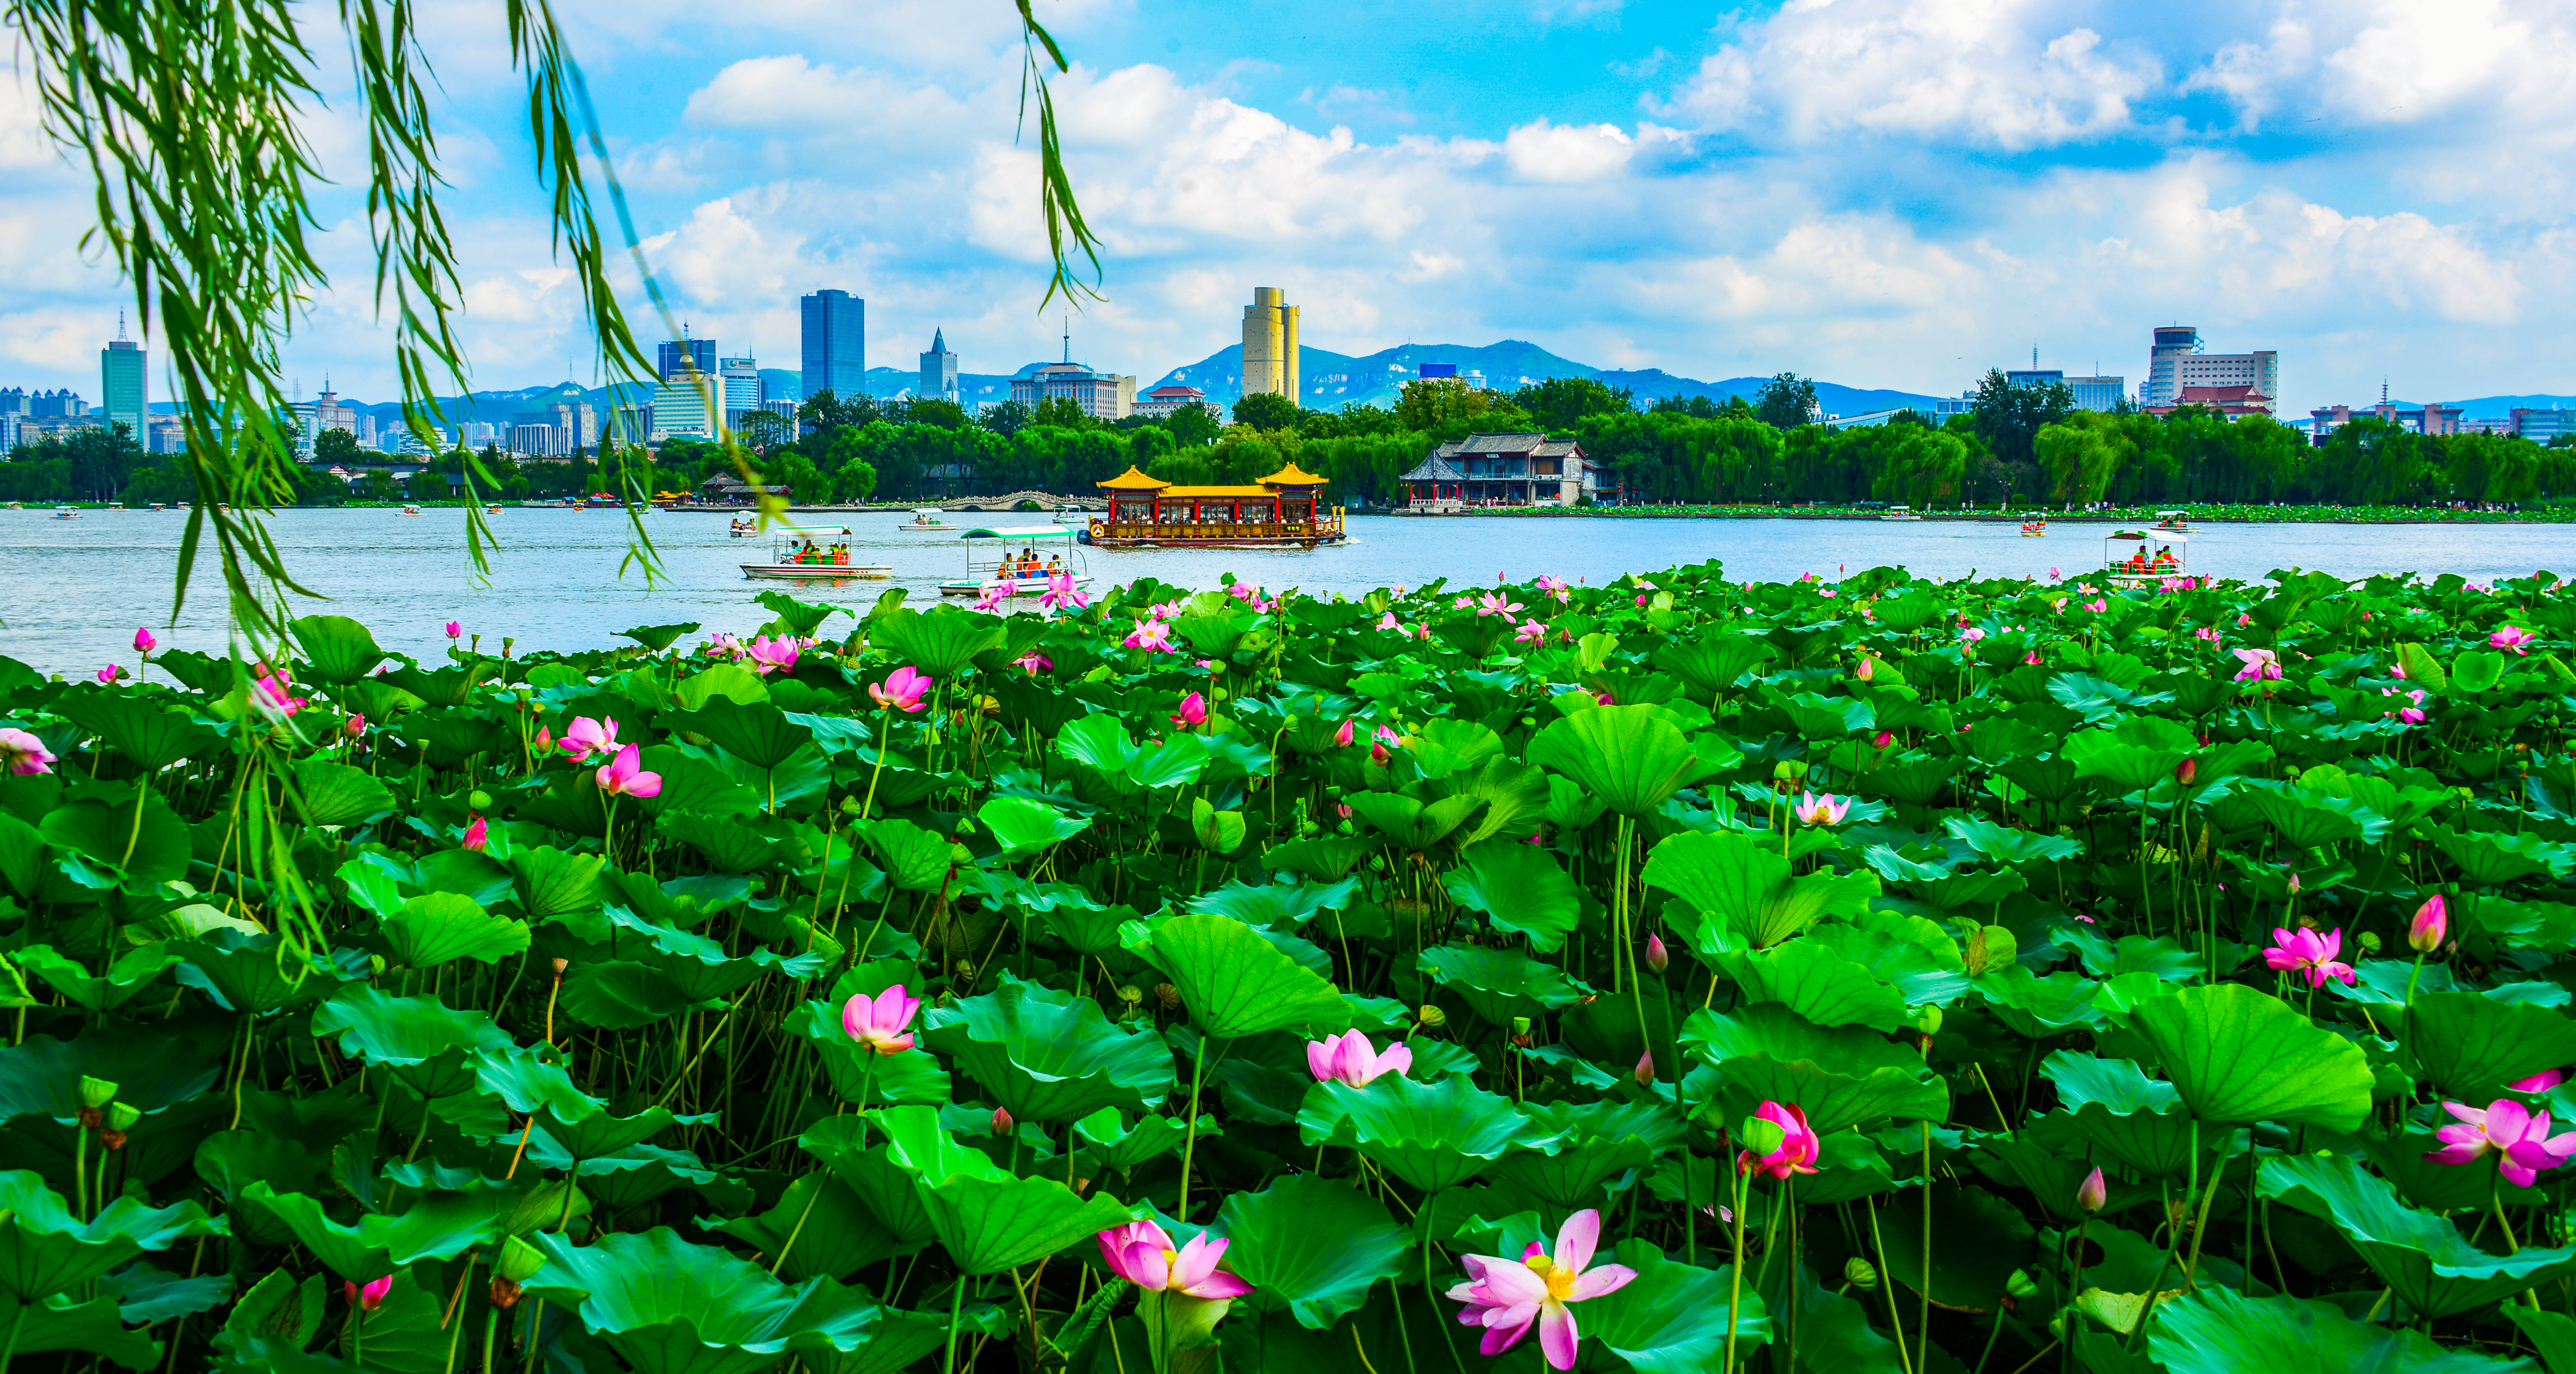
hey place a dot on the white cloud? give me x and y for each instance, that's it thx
(1539, 151)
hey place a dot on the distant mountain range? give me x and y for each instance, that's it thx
(1330, 380)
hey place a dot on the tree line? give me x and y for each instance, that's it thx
(2026, 444)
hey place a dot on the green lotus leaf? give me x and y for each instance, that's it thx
(938, 643)
(853, 1068)
(2004, 844)
(620, 994)
(1714, 663)
(1499, 983)
(818, 1227)
(337, 794)
(1747, 891)
(1124, 1147)
(1022, 826)
(759, 734)
(2477, 671)
(103, 846)
(437, 927)
(555, 883)
(1840, 1076)
(2110, 1110)
(1816, 981)
(2308, 818)
(582, 1124)
(2553, 1334)
(1515, 795)
(669, 1307)
(1279, 906)
(2487, 857)
(2138, 753)
(915, 859)
(45, 1250)
(153, 1070)
(1978, 1240)
(1849, 1166)
(337, 650)
(422, 1042)
(231, 1160)
(2425, 1259)
(1329, 859)
(1311, 1247)
(659, 637)
(987, 1220)
(1573, 1151)
(1431, 1135)
(145, 1294)
(94, 1327)
(897, 1341)
(1409, 821)
(1673, 1317)
(2240, 1055)
(2039, 1005)
(2470, 1044)
(2423, 669)
(1050, 1056)
(1520, 887)
(1236, 982)
(1632, 758)
(884, 1187)
(150, 730)
(130, 973)
(436, 1225)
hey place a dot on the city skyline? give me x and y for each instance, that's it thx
(1865, 190)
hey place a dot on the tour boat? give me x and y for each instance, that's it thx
(1285, 511)
(2172, 522)
(2141, 558)
(491, 510)
(743, 529)
(411, 510)
(2034, 529)
(1071, 514)
(1900, 513)
(600, 500)
(1045, 552)
(66, 513)
(928, 521)
(789, 560)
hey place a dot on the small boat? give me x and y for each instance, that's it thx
(601, 500)
(1045, 552)
(2172, 522)
(1900, 513)
(2034, 529)
(66, 513)
(927, 521)
(491, 510)
(2142, 558)
(411, 510)
(743, 529)
(796, 556)
(1071, 514)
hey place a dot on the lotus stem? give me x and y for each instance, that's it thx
(1190, 1144)
(956, 1308)
(1735, 1295)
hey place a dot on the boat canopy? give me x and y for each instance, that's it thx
(1021, 532)
(2160, 536)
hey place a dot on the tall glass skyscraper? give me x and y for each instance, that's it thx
(678, 354)
(836, 343)
(124, 387)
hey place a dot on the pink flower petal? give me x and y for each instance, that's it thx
(1557, 1337)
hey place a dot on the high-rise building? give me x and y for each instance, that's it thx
(2091, 393)
(1101, 395)
(2175, 361)
(686, 409)
(938, 369)
(835, 344)
(123, 383)
(326, 412)
(1270, 345)
(742, 388)
(680, 354)
(64, 404)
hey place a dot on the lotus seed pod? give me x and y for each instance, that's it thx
(1167, 996)
(479, 799)
(96, 1092)
(1760, 1136)
(1431, 1017)
(121, 1116)
(1860, 1274)
(1130, 994)
(2021, 1286)
(561, 965)
(2369, 942)
(1927, 1021)
(518, 1260)
(1520, 1026)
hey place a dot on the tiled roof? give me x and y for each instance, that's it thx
(1433, 469)
(1533, 445)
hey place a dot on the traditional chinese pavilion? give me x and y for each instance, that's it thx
(1285, 510)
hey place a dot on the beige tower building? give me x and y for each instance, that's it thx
(1270, 345)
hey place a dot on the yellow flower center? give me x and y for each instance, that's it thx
(1171, 1263)
(1560, 1282)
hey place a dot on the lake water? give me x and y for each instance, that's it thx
(77, 588)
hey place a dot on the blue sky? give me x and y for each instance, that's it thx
(1889, 193)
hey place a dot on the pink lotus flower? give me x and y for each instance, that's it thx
(2260, 665)
(1062, 592)
(111, 672)
(1034, 663)
(369, 1296)
(355, 727)
(269, 692)
(2052, 574)
(1972, 634)
(1152, 636)
(2432, 922)
(1641, 598)
(2518, 1136)
(1141, 1253)
(1506, 1296)
(1378, 743)
(2031, 658)
(585, 737)
(1531, 632)
(2098, 606)
(624, 776)
(2305, 951)
(1497, 603)
(25, 754)
(1882, 739)
(477, 835)
(1389, 622)
(994, 594)
(1798, 1144)
(1193, 711)
(144, 643)
(2245, 618)
(1164, 610)
(1462, 603)
(1825, 810)
(882, 1023)
(772, 654)
(455, 631)
(1342, 737)
(902, 690)
(2513, 640)
(2092, 1192)
(1350, 1058)
(2397, 670)
(2207, 632)
(2540, 1082)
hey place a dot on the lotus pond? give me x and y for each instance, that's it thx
(1678, 975)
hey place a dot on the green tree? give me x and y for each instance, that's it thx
(429, 484)
(1559, 402)
(938, 412)
(2080, 456)
(1061, 412)
(1191, 427)
(1267, 411)
(1786, 401)
(335, 446)
(1005, 419)
(2009, 415)
(763, 430)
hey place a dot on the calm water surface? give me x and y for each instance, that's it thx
(77, 588)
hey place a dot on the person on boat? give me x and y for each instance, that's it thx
(840, 555)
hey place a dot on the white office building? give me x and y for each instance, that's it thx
(2175, 361)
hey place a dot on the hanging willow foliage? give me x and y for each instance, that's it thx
(187, 114)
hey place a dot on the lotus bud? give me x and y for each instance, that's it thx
(2186, 770)
(376, 965)
(1645, 1073)
(1882, 739)
(2432, 922)
(1657, 958)
(2369, 942)
(1760, 1136)
(96, 1092)
(1865, 668)
(1431, 1017)
(2294, 884)
(2092, 1192)
(1860, 1274)
(1002, 1122)
(369, 1296)
(2021, 1286)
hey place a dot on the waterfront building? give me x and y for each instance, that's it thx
(1165, 401)
(938, 370)
(540, 441)
(2425, 419)
(743, 392)
(678, 356)
(1270, 345)
(685, 409)
(835, 343)
(124, 385)
(2541, 426)
(1100, 395)
(1501, 470)
(2175, 361)
(2233, 402)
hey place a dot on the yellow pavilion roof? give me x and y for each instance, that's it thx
(1133, 480)
(1203, 492)
(1292, 476)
